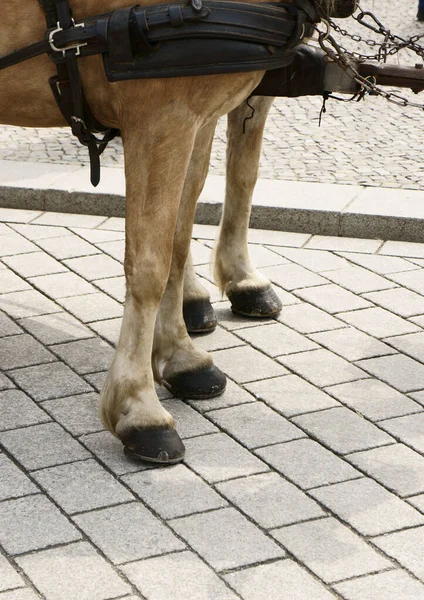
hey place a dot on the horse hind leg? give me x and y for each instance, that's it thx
(249, 292)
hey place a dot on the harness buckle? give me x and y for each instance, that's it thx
(72, 46)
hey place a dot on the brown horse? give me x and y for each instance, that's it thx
(166, 127)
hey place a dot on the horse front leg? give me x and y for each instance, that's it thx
(249, 292)
(157, 154)
(186, 370)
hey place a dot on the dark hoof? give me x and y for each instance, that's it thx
(198, 385)
(199, 316)
(162, 446)
(255, 303)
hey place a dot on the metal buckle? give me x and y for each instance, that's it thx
(76, 46)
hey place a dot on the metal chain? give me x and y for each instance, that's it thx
(345, 59)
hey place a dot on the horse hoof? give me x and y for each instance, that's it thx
(199, 316)
(161, 446)
(198, 385)
(255, 303)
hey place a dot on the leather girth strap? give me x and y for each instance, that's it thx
(68, 92)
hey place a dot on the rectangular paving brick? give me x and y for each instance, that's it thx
(32, 523)
(397, 467)
(20, 594)
(8, 327)
(27, 304)
(407, 547)
(79, 414)
(342, 244)
(332, 298)
(62, 285)
(17, 410)
(217, 340)
(393, 584)
(5, 383)
(399, 301)
(186, 577)
(269, 500)
(378, 263)
(307, 463)
(81, 486)
(374, 399)
(74, 246)
(291, 395)
(53, 380)
(9, 578)
(113, 286)
(56, 329)
(73, 572)
(245, 364)
(42, 446)
(96, 236)
(92, 307)
(317, 261)
(413, 280)
(368, 507)
(233, 395)
(226, 539)
(409, 430)
(128, 532)
(95, 267)
(158, 489)
(22, 351)
(276, 339)
(69, 220)
(34, 263)
(217, 457)
(9, 282)
(109, 451)
(13, 482)
(322, 367)
(15, 244)
(401, 372)
(330, 550)
(38, 232)
(268, 581)
(292, 277)
(115, 249)
(86, 356)
(359, 280)
(342, 430)
(411, 344)
(189, 422)
(352, 344)
(255, 424)
(109, 329)
(378, 322)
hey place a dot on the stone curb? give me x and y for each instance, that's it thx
(315, 208)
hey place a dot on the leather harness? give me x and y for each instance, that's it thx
(164, 40)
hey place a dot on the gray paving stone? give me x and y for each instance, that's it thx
(393, 584)
(307, 463)
(255, 424)
(411, 344)
(401, 372)
(110, 452)
(96, 236)
(86, 356)
(21, 594)
(188, 422)
(73, 572)
(330, 550)
(56, 329)
(9, 578)
(62, 285)
(265, 257)
(217, 457)
(95, 267)
(409, 430)
(343, 244)
(81, 486)
(21, 351)
(15, 244)
(96, 379)
(378, 322)
(109, 329)
(92, 307)
(237, 363)
(228, 320)
(32, 523)
(186, 577)
(217, 340)
(317, 260)
(269, 500)
(352, 344)
(374, 399)
(113, 286)
(342, 430)
(17, 410)
(368, 507)
(33, 264)
(359, 280)
(332, 298)
(264, 236)
(113, 224)
(9, 282)
(79, 414)
(233, 395)
(73, 247)
(42, 446)
(69, 220)
(400, 248)
(5, 383)
(128, 532)
(378, 263)
(38, 232)
(397, 467)
(412, 279)
(12, 215)
(322, 368)
(400, 301)
(418, 502)
(115, 249)
(27, 304)
(13, 482)
(226, 539)
(7, 326)
(290, 395)
(407, 547)
(276, 339)
(174, 492)
(53, 380)
(264, 582)
(292, 277)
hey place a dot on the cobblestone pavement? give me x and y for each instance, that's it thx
(371, 143)
(304, 480)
